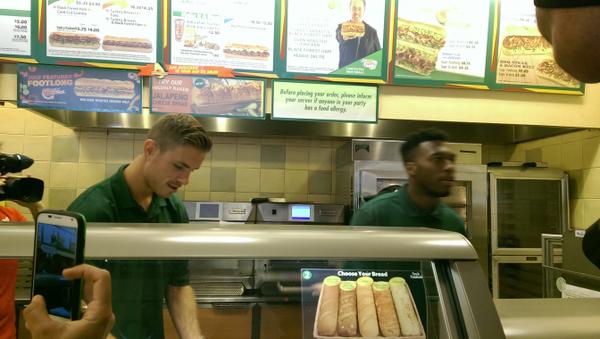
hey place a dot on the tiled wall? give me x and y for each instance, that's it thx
(577, 153)
(237, 169)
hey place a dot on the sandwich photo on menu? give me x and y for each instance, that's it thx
(74, 40)
(219, 96)
(114, 43)
(351, 30)
(243, 51)
(418, 45)
(525, 45)
(550, 70)
(104, 88)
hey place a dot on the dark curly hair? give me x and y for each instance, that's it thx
(413, 140)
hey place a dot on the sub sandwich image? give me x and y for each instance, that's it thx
(550, 70)
(418, 45)
(367, 309)
(243, 51)
(225, 96)
(525, 45)
(104, 88)
(114, 43)
(74, 40)
(351, 30)
(421, 34)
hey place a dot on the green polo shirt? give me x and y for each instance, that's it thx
(397, 209)
(138, 287)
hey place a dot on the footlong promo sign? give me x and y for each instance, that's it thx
(79, 89)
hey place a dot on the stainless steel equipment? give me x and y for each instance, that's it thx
(525, 202)
(365, 168)
(218, 211)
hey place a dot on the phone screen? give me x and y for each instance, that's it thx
(56, 249)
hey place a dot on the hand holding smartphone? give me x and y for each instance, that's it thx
(59, 244)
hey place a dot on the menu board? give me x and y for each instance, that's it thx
(79, 89)
(524, 58)
(237, 34)
(15, 25)
(112, 30)
(208, 96)
(304, 100)
(336, 38)
(441, 41)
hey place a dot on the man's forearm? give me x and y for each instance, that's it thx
(183, 309)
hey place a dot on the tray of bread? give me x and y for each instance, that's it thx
(367, 309)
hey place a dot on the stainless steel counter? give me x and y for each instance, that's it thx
(550, 318)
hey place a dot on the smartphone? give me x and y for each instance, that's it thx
(59, 244)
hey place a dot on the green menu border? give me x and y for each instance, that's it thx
(282, 61)
(30, 58)
(41, 41)
(240, 72)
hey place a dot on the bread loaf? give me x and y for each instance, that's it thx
(347, 325)
(386, 314)
(407, 315)
(328, 311)
(367, 315)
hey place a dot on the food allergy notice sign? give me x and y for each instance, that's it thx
(293, 100)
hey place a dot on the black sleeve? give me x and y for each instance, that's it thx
(565, 3)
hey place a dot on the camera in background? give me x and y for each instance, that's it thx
(23, 189)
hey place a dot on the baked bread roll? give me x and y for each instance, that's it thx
(74, 40)
(407, 315)
(351, 30)
(386, 314)
(347, 325)
(367, 315)
(328, 311)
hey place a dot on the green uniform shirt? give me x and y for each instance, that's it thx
(138, 287)
(398, 210)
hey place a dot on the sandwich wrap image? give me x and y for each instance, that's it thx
(550, 70)
(74, 40)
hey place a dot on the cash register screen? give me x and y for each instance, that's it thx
(300, 213)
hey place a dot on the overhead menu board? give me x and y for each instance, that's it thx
(523, 58)
(237, 34)
(117, 31)
(336, 39)
(441, 41)
(16, 27)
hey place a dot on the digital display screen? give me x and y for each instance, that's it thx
(209, 211)
(55, 251)
(301, 212)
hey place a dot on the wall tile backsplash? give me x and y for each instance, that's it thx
(238, 168)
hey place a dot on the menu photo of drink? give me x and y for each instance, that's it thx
(112, 30)
(344, 38)
(524, 58)
(237, 34)
(441, 41)
(15, 24)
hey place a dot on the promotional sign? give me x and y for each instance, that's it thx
(524, 58)
(16, 27)
(112, 30)
(441, 41)
(395, 297)
(209, 96)
(237, 34)
(337, 38)
(323, 101)
(79, 89)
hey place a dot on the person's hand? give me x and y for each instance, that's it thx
(97, 320)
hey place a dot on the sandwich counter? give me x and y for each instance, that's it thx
(301, 281)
